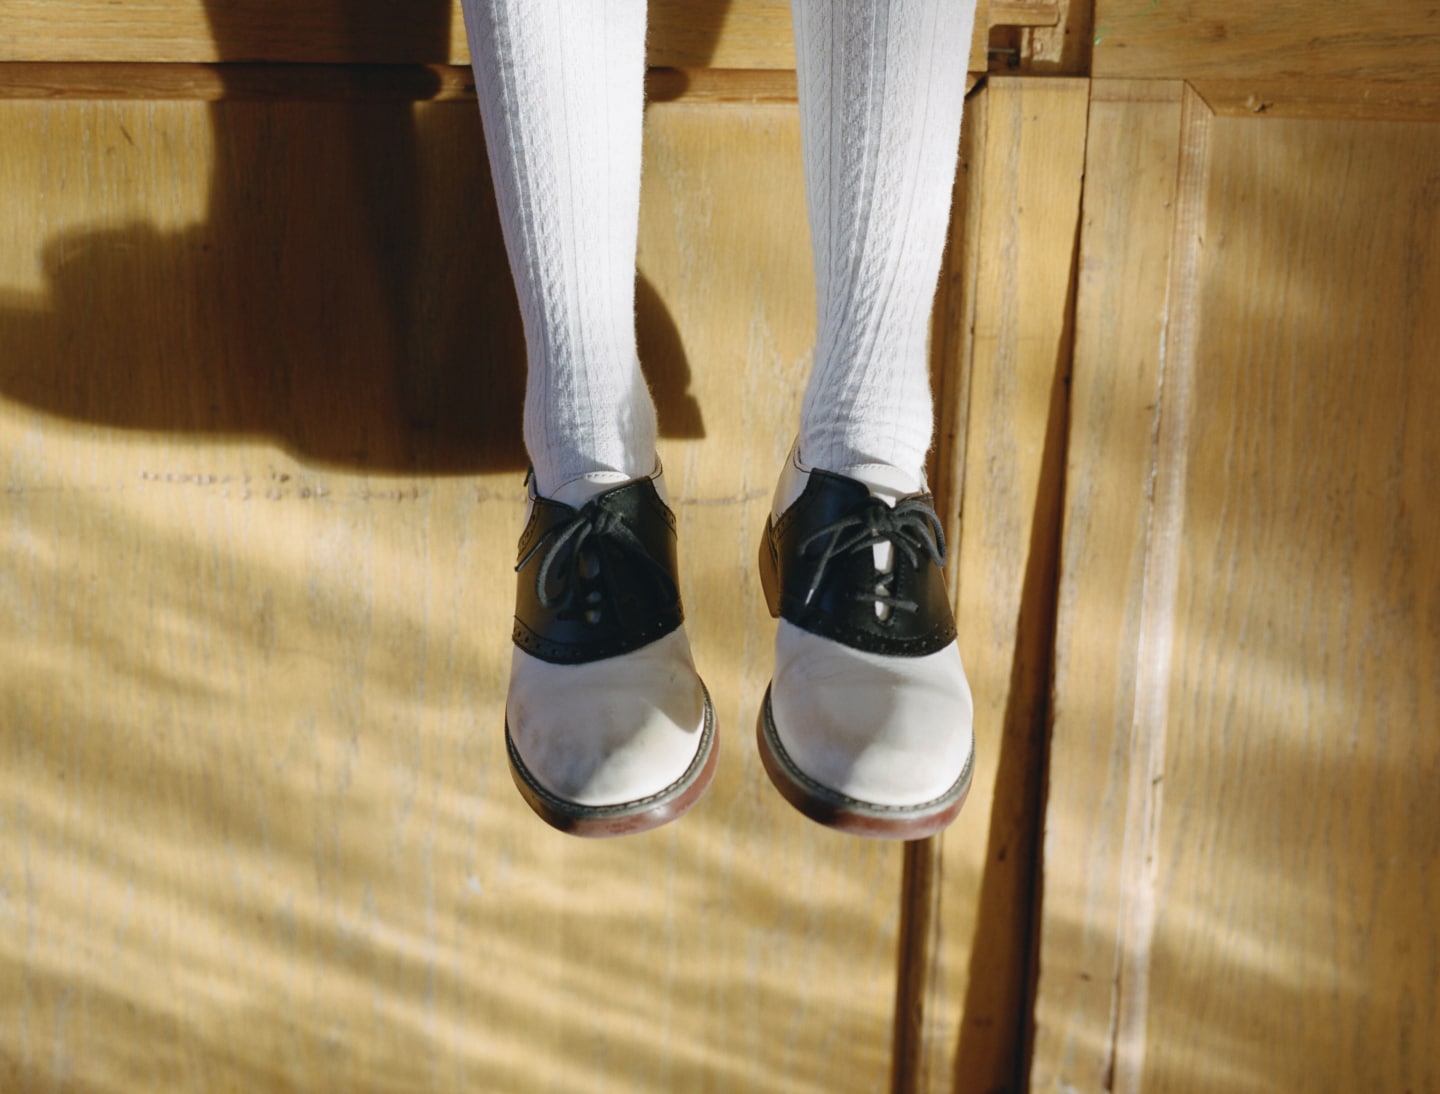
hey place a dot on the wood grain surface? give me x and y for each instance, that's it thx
(1028, 167)
(215, 82)
(1281, 39)
(260, 373)
(1125, 249)
(1242, 825)
(1334, 100)
(1298, 855)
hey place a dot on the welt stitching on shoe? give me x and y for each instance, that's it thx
(835, 797)
(572, 809)
(568, 653)
(918, 646)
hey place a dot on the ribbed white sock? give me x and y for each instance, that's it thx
(561, 87)
(882, 86)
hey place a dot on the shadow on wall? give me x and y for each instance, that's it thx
(346, 291)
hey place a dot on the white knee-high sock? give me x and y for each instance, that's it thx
(882, 86)
(561, 87)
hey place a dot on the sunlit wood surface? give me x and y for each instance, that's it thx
(1012, 275)
(260, 373)
(1242, 822)
(1119, 324)
(1288, 39)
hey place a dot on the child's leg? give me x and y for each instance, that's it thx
(881, 90)
(608, 728)
(561, 85)
(866, 726)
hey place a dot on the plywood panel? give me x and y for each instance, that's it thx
(1125, 255)
(1241, 840)
(1282, 39)
(1296, 862)
(1028, 169)
(259, 387)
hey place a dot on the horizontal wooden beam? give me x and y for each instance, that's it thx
(83, 80)
(359, 83)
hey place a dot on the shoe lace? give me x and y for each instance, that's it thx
(911, 525)
(568, 565)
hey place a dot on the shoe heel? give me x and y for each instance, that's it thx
(769, 577)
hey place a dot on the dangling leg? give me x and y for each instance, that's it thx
(561, 89)
(867, 725)
(882, 87)
(608, 726)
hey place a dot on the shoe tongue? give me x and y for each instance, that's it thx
(579, 491)
(889, 484)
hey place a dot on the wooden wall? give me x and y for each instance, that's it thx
(259, 372)
(260, 375)
(1198, 578)
(1242, 824)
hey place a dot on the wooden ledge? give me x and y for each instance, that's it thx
(210, 82)
(127, 80)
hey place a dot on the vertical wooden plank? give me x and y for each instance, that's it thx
(1140, 854)
(1241, 834)
(1297, 861)
(1132, 161)
(1024, 230)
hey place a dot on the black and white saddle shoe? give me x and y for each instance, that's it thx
(867, 723)
(609, 728)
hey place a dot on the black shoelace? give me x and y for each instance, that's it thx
(570, 544)
(911, 526)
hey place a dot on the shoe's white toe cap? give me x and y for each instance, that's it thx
(608, 732)
(889, 731)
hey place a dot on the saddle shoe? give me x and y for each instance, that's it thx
(609, 729)
(867, 726)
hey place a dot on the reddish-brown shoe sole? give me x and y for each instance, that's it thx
(624, 818)
(833, 809)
